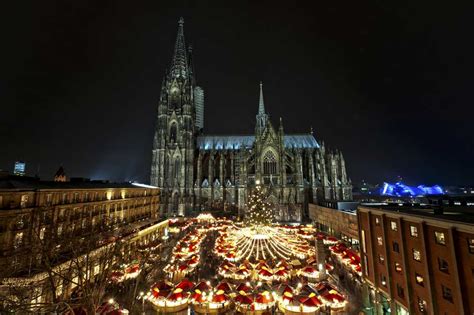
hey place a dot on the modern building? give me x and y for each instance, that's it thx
(46, 225)
(417, 259)
(196, 170)
(20, 168)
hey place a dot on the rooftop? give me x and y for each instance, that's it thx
(236, 142)
(31, 183)
(464, 214)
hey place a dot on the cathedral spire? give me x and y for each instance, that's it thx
(179, 66)
(261, 105)
(262, 117)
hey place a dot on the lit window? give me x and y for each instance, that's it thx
(362, 233)
(24, 201)
(60, 229)
(377, 221)
(398, 267)
(422, 305)
(443, 265)
(383, 280)
(379, 240)
(439, 237)
(393, 226)
(41, 234)
(447, 293)
(416, 255)
(470, 244)
(48, 198)
(18, 240)
(413, 231)
(381, 259)
(396, 247)
(419, 280)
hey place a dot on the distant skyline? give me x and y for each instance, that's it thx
(390, 86)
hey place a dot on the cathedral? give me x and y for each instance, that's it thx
(196, 171)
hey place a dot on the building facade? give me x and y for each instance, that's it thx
(46, 226)
(195, 170)
(332, 219)
(417, 260)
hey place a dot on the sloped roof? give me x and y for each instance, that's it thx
(226, 142)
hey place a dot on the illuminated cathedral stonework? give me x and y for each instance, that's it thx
(196, 171)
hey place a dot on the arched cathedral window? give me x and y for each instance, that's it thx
(176, 168)
(173, 132)
(269, 163)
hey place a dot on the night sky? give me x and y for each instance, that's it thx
(391, 85)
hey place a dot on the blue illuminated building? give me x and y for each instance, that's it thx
(401, 190)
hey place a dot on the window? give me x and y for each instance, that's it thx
(18, 241)
(447, 293)
(393, 226)
(470, 244)
(383, 280)
(269, 163)
(395, 246)
(48, 199)
(443, 265)
(41, 234)
(439, 237)
(24, 201)
(381, 259)
(377, 221)
(64, 198)
(413, 231)
(173, 132)
(419, 280)
(416, 255)
(366, 265)
(362, 233)
(422, 305)
(177, 168)
(379, 240)
(398, 267)
(400, 291)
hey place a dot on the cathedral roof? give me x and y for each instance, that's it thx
(300, 141)
(294, 141)
(225, 142)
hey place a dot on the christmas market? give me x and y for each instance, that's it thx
(253, 266)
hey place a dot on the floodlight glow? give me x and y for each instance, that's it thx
(143, 185)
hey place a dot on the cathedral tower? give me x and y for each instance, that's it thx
(176, 129)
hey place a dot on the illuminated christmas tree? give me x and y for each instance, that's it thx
(259, 210)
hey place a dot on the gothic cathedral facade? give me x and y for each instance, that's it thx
(196, 171)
